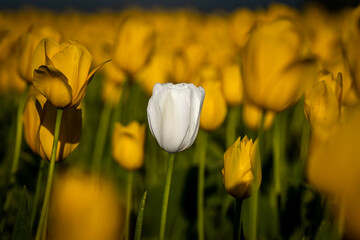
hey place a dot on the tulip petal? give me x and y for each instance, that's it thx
(70, 132)
(44, 50)
(169, 117)
(53, 85)
(74, 61)
(80, 96)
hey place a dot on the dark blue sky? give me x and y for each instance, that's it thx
(203, 5)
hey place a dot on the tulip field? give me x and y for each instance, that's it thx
(178, 124)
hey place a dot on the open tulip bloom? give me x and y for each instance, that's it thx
(174, 114)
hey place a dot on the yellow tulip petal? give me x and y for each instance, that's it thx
(74, 62)
(70, 132)
(81, 94)
(53, 85)
(44, 50)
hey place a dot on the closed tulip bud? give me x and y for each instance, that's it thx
(215, 108)
(128, 145)
(240, 26)
(39, 126)
(61, 72)
(351, 41)
(174, 113)
(27, 45)
(232, 84)
(133, 44)
(323, 102)
(252, 117)
(78, 202)
(275, 71)
(157, 71)
(241, 172)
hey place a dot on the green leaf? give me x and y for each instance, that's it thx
(140, 216)
(21, 229)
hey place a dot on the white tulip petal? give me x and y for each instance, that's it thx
(174, 114)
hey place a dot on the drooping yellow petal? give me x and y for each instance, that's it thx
(53, 85)
(70, 132)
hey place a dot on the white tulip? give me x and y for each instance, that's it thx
(174, 114)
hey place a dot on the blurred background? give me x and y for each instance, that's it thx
(210, 5)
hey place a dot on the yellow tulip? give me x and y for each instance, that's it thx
(333, 165)
(27, 45)
(240, 177)
(112, 85)
(351, 41)
(10, 81)
(240, 25)
(84, 207)
(214, 109)
(275, 71)
(133, 44)
(157, 71)
(39, 126)
(323, 102)
(232, 84)
(61, 72)
(252, 116)
(128, 145)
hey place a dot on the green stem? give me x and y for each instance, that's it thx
(17, 148)
(236, 233)
(231, 125)
(37, 192)
(341, 220)
(101, 137)
(166, 196)
(140, 217)
(277, 154)
(202, 141)
(43, 216)
(19, 128)
(255, 197)
(130, 177)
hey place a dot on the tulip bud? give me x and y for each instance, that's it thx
(78, 202)
(112, 86)
(232, 84)
(240, 177)
(157, 71)
(61, 72)
(240, 26)
(174, 113)
(252, 116)
(323, 102)
(128, 145)
(27, 45)
(275, 71)
(215, 108)
(133, 44)
(39, 126)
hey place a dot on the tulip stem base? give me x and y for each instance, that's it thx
(166, 196)
(237, 219)
(44, 211)
(202, 144)
(130, 177)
